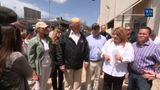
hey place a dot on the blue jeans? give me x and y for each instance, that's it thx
(137, 82)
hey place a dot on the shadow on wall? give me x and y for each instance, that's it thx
(156, 4)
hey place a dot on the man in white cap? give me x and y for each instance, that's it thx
(38, 56)
(72, 51)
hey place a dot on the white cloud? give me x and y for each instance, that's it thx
(18, 7)
(59, 1)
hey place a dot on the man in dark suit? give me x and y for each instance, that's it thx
(104, 33)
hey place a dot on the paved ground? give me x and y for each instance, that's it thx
(83, 83)
(156, 83)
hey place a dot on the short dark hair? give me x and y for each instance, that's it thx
(95, 25)
(147, 28)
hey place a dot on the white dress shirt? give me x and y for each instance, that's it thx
(113, 67)
(74, 36)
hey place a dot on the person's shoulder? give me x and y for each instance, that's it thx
(65, 33)
(128, 44)
(15, 55)
(33, 38)
(88, 37)
(153, 44)
(109, 40)
(134, 44)
(103, 37)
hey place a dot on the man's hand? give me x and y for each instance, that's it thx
(85, 65)
(118, 57)
(35, 76)
(62, 68)
(148, 74)
(106, 57)
(158, 75)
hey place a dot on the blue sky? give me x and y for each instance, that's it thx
(86, 10)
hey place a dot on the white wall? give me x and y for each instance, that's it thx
(103, 18)
(112, 8)
(118, 21)
(116, 7)
(154, 22)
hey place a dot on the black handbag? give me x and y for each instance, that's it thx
(9, 78)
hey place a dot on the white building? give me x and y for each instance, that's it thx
(116, 13)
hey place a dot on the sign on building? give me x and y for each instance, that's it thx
(148, 12)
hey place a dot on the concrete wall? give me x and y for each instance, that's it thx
(108, 11)
(116, 7)
(124, 19)
(113, 10)
(103, 18)
(154, 22)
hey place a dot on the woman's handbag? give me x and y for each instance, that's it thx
(9, 78)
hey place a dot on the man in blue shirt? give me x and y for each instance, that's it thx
(95, 42)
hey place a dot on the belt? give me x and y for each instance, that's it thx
(96, 60)
(136, 72)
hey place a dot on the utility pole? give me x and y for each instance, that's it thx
(49, 8)
(49, 12)
(0, 3)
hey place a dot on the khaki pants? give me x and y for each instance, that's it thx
(72, 79)
(42, 83)
(94, 69)
(156, 84)
(46, 72)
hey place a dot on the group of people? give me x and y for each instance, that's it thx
(139, 55)
(52, 53)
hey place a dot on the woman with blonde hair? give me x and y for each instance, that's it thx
(56, 72)
(56, 35)
(117, 53)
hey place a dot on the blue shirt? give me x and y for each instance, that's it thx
(95, 45)
(145, 57)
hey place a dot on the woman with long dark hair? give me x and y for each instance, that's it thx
(12, 59)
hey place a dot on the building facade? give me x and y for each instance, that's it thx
(116, 13)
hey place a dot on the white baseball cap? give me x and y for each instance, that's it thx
(41, 24)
